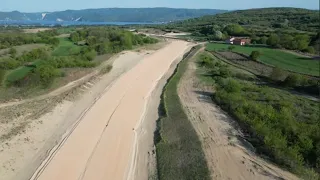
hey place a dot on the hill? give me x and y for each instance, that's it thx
(263, 19)
(112, 15)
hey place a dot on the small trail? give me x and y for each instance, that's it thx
(227, 155)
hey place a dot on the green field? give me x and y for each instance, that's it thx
(276, 58)
(179, 151)
(66, 48)
(21, 72)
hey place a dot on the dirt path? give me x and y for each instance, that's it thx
(227, 156)
(101, 144)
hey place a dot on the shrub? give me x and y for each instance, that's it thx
(310, 50)
(231, 48)
(2, 76)
(293, 80)
(106, 69)
(255, 55)
(46, 74)
(277, 74)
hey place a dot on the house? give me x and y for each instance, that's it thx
(230, 40)
(239, 41)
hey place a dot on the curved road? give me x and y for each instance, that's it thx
(102, 145)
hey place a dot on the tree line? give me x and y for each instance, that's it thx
(9, 39)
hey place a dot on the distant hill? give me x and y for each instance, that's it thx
(112, 15)
(298, 19)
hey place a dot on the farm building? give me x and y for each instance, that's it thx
(238, 41)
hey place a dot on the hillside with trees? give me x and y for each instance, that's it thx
(266, 19)
(289, 28)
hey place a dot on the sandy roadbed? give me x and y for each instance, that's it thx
(101, 145)
(48, 119)
(227, 156)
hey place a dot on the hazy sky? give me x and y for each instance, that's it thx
(57, 5)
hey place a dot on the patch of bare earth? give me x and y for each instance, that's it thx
(228, 156)
(35, 30)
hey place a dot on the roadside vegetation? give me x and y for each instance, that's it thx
(282, 127)
(179, 151)
(36, 70)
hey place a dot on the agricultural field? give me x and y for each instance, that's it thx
(275, 57)
(250, 65)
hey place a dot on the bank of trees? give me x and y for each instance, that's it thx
(109, 40)
(9, 39)
(282, 126)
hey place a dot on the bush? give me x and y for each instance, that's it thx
(310, 50)
(293, 80)
(106, 69)
(46, 74)
(2, 76)
(231, 48)
(277, 74)
(255, 55)
(230, 85)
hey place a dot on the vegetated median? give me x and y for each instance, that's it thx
(179, 150)
(281, 126)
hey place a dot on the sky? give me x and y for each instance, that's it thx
(59, 5)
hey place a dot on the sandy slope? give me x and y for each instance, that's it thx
(227, 157)
(101, 145)
(23, 153)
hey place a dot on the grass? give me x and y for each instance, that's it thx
(21, 72)
(276, 58)
(179, 151)
(66, 48)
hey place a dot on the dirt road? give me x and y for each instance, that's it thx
(101, 145)
(228, 157)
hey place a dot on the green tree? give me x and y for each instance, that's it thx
(273, 40)
(264, 40)
(217, 35)
(302, 41)
(46, 74)
(255, 55)
(74, 37)
(234, 29)
(286, 41)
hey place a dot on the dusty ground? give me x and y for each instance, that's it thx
(35, 30)
(27, 135)
(228, 156)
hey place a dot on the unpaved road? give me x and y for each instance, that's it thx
(227, 157)
(102, 144)
(48, 119)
